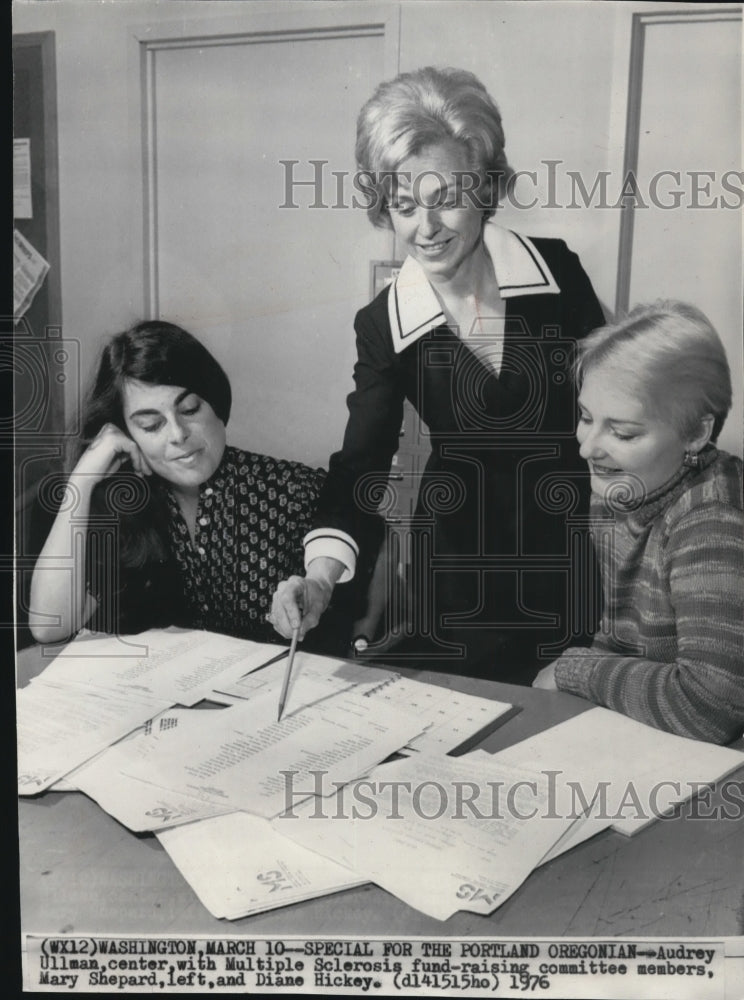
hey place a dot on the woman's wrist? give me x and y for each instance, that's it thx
(325, 570)
(80, 484)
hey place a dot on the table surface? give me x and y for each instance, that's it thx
(83, 872)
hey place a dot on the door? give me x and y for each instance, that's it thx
(253, 243)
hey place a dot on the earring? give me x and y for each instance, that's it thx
(691, 459)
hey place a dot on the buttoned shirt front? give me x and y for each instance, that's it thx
(250, 521)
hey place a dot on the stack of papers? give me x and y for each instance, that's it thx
(141, 805)
(442, 834)
(60, 726)
(110, 717)
(238, 865)
(453, 720)
(356, 784)
(238, 758)
(445, 833)
(98, 690)
(627, 773)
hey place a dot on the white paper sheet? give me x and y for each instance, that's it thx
(138, 804)
(441, 833)
(313, 678)
(175, 665)
(634, 772)
(238, 757)
(58, 728)
(451, 717)
(29, 271)
(22, 201)
(238, 864)
(563, 800)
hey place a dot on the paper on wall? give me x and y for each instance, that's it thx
(29, 271)
(22, 203)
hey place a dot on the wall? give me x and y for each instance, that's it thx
(100, 159)
(559, 72)
(556, 69)
(553, 85)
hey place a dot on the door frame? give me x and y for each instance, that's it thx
(253, 27)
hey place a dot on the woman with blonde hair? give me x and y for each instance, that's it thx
(475, 332)
(668, 527)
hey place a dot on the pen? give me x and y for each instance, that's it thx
(288, 672)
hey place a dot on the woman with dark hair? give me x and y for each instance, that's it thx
(476, 331)
(160, 521)
(668, 526)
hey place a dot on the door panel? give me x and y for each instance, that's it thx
(685, 117)
(271, 289)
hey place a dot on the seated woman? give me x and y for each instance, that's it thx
(160, 522)
(667, 525)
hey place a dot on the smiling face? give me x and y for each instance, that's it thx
(438, 224)
(177, 431)
(625, 444)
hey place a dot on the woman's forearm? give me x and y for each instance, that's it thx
(688, 697)
(59, 602)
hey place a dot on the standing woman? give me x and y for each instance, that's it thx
(476, 331)
(160, 522)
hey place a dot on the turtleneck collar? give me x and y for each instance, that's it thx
(645, 509)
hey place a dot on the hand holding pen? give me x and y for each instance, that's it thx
(299, 601)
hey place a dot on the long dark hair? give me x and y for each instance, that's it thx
(157, 353)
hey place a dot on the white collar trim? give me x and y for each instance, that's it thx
(520, 269)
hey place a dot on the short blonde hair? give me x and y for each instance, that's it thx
(428, 106)
(673, 358)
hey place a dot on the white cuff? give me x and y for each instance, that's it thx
(335, 545)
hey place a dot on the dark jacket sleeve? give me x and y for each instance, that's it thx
(357, 472)
(582, 311)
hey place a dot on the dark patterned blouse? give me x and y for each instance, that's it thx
(252, 516)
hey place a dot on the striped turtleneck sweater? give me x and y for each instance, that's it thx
(670, 649)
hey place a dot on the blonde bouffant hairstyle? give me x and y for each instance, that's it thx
(419, 109)
(671, 357)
